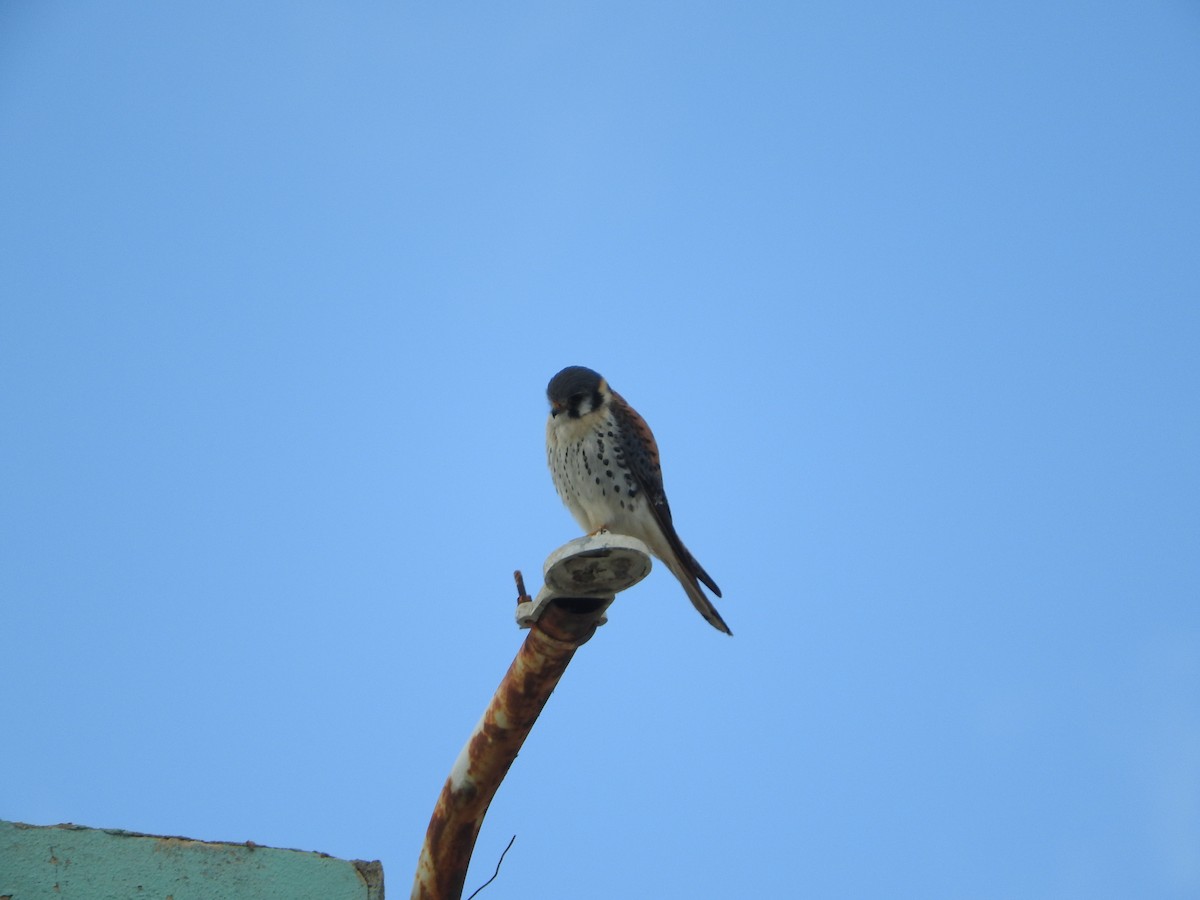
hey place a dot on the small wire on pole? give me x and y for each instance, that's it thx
(498, 862)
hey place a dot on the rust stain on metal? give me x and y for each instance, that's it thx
(493, 745)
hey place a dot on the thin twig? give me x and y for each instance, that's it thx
(497, 872)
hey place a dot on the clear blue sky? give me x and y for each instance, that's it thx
(910, 294)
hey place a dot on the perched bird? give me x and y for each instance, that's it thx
(605, 466)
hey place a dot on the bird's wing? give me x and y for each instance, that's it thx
(641, 456)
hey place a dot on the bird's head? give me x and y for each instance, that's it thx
(577, 391)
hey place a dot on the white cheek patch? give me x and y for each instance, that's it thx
(585, 406)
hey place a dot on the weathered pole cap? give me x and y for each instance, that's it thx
(595, 567)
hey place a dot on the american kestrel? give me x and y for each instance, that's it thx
(605, 465)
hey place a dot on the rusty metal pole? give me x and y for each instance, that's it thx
(494, 744)
(561, 620)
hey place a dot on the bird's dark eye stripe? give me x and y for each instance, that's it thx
(575, 403)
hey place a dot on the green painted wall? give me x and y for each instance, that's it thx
(67, 862)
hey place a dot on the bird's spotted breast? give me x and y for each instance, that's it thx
(592, 475)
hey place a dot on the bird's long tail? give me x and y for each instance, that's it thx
(691, 587)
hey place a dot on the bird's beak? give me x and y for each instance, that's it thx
(555, 409)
